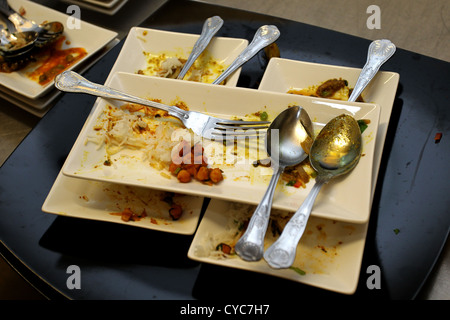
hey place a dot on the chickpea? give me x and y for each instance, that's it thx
(175, 211)
(184, 176)
(216, 175)
(192, 169)
(173, 167)
(203, 174)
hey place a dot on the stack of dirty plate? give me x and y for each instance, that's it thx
(21, 88)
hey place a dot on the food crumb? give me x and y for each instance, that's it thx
(438, 137)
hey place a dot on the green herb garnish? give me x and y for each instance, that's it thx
(298, 270)
(264, 116)
(362, 125)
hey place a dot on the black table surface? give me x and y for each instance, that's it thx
(119, 262)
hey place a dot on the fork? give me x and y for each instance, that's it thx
(209, 127)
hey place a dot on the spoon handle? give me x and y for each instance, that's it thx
(250, 246)
(281, 254)
(379, 52)
(264, 36)
(210, 28)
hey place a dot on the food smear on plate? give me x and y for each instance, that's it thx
(316, 251)
(53, 59)
(133, 135)
(337, 89)
(135, 204)
(159, 137)
(205, 69)
(44, 64)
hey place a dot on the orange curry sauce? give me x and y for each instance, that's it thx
(53, 60)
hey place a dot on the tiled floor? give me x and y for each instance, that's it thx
(421, 26)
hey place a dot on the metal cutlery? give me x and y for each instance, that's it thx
(210, 28)
(263, 37)
(201, 124)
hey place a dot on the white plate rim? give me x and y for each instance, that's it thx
(63, 201)
(345, 280)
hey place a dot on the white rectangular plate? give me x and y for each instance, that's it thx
(346, 198)
(282, 75)
(94, 200)
(139, 40)
(330, 252)
(87, 36)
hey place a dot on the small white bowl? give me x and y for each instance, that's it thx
(143, 41)
(282, 75)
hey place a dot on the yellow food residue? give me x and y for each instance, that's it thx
(168, 65)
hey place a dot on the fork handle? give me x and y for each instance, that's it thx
(70, 81)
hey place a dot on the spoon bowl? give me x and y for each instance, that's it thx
(335, 151)
(17, 43)
(288, 142)
(337, 147)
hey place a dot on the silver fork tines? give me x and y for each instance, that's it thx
(238, 129)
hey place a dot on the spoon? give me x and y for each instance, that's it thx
(17, 43)
(379, 52)
(50, 32)
(288, 142)
(335, 151)
(264, 36)
(210, 28)
(47, 32)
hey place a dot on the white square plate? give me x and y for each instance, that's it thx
(283, 75)
(103, 201)
(329, 253)
(175, 44)
(87, 36)
(346, 198)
